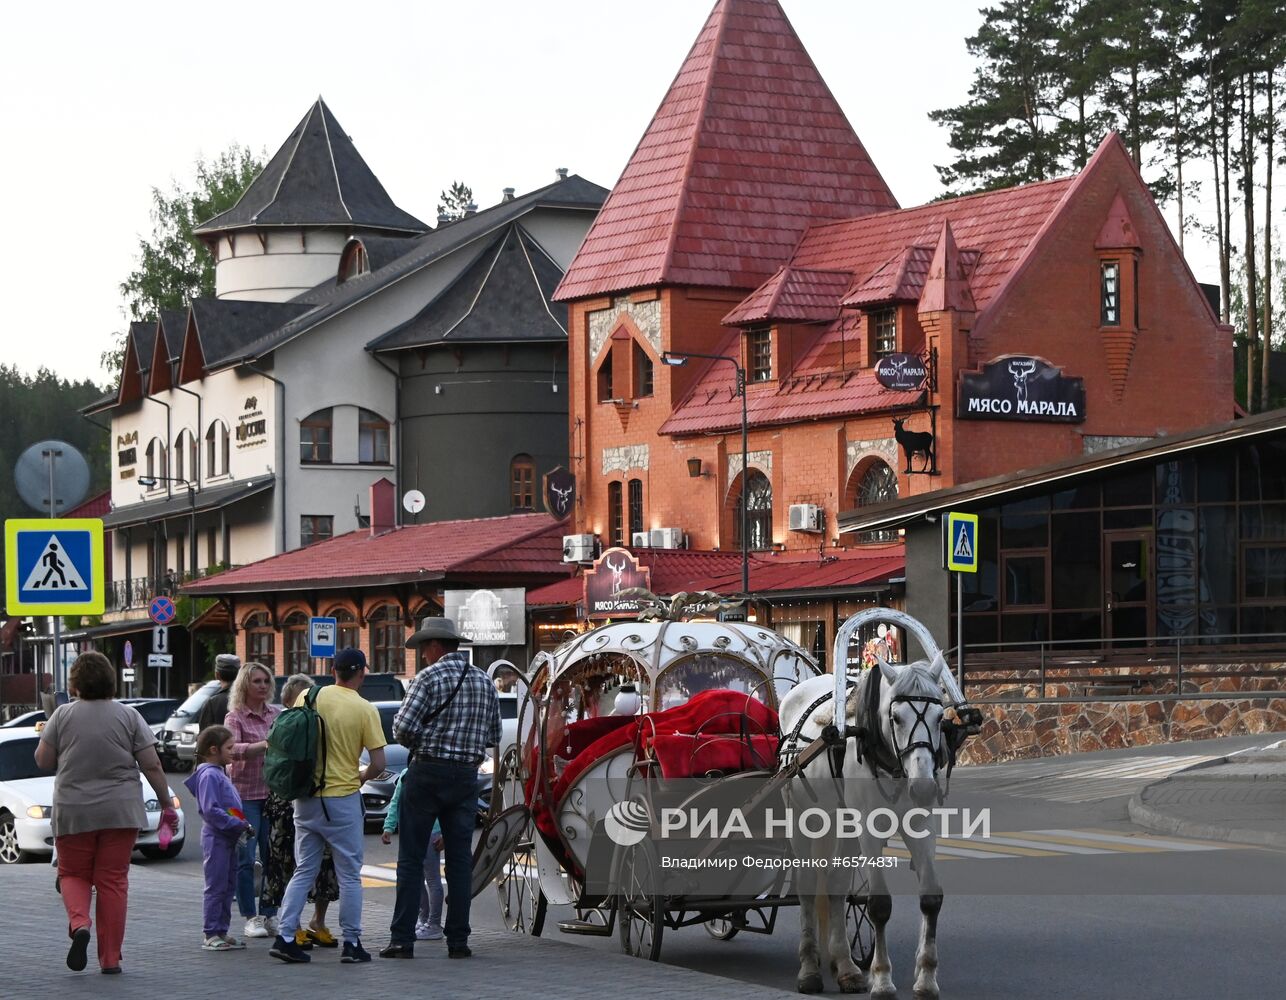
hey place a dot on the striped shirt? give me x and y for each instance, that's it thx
(465, 728)
(249, 727)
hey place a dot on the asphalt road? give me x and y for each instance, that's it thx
(1145, 917)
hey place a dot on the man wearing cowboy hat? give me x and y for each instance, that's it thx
(450, 717)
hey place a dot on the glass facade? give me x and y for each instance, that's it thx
(1193, 547)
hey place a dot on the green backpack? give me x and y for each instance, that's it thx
(296, 738)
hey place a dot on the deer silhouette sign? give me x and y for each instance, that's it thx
(914, 443)
(618, 571)
(1020, 370)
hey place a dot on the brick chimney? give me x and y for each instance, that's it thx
(383, 507)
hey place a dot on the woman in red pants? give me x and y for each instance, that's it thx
(97, 746)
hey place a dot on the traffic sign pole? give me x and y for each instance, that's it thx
(60, 681)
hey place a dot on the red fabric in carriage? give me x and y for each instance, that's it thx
(689, 756)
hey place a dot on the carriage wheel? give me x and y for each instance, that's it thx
(858, 926)
(522, 904)
(721, 928)
(640, 909)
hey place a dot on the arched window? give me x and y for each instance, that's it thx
(642, 372)
(757, 491)
(185, 456)
(522, 483)
(157, 465)
(315, 437)
(636, 507)
(615, 514)
(354, 262)
(873, 482)
(217, 449)
(372, 438)
(388, 640)
(261, 640)
(295, 633)
(350, 636)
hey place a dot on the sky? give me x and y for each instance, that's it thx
(103, 102)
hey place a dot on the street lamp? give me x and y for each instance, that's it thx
(150, 481)
(676, 359)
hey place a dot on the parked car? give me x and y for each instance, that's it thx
(155, 711)
(375, 687)
(178, 735)
(378, 789)
(508, 738)
(24, 721)
(26, 803)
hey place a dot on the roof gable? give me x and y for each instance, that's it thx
(222, 327)
(161, 376)
(947, 283)
(136, 362)
(316, 178)
(1118, 232)
(793, 295)
(714, 194)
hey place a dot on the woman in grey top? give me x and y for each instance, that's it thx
(97, 746)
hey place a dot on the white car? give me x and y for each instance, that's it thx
(27, 795)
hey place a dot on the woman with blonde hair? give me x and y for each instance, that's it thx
(279, 859)
(250, 716)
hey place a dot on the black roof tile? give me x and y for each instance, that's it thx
(225, 326)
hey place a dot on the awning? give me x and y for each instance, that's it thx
(208, 498)
(97, 632)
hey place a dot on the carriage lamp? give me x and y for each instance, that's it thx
(694, 468)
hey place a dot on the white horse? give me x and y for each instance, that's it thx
(897, 725)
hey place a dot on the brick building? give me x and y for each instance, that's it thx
(1051, 320)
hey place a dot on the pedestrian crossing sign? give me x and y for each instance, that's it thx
(54, 566)
(960, 542)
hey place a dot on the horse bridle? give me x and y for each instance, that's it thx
(920, 706)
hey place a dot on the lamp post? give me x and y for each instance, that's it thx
(150, 481)
(677, 359)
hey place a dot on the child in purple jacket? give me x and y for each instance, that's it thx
(223, 825)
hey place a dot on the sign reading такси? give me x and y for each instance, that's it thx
(1018, 387)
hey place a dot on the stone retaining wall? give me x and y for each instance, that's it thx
(1014, 730)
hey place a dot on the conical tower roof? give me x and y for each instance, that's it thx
(316, 178)
(748, 147)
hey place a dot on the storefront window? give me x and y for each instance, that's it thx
(295, 633)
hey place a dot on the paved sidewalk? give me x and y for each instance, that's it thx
(1239, 798)
(162, 958)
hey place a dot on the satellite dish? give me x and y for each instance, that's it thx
(413, 501)
(70, 479)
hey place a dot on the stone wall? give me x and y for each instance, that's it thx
(1014, 730)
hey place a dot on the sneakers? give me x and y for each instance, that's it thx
(221, 942)
(288, 951)
(353, 953)
(272, 925)
(321, 936)
(257, 927)
(76, 954)
(432, 932)
(394, 950)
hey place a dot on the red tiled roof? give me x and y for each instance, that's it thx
(898, 279)
(946, 286)
(673, 570)
(819, 389)
(95, 506)
(793, 295)
(517, 545)
(784, 572)
(747, 148)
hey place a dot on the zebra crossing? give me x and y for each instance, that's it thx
(1081, 782)
(1056, 843)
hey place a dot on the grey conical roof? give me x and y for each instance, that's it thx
(316, 178)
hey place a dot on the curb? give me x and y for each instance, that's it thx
(1159, 822)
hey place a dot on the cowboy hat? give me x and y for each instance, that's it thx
(435, 628)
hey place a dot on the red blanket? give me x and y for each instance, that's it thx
(696, 756)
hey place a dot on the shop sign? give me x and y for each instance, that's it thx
(489, 617)
(252, 426)
(560, 492)
(127, 453)
(615, 570)
(901, 372)
(1017, 387)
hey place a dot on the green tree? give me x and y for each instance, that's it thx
(173, 266)
(455, 202)
(1008, 132)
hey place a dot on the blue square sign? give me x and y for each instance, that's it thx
(321, 636)
(54, 566)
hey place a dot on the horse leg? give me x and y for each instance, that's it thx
(880, 907)
(810, 973)
(926, 953)
(850, 978)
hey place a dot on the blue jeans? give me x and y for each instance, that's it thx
(246, 899)
(432, 895)
(343, 831)
(446, 794)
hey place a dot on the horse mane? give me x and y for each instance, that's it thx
(916, 680)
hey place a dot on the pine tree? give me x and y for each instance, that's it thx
(456, 202)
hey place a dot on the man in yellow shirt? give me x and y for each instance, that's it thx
(333, 816)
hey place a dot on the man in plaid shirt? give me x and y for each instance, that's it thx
(450, 717)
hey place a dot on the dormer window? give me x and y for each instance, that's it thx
(605, 394)
(1110, 293)
(759, 354)
(354, 262)
(643, 372)
(884, 331)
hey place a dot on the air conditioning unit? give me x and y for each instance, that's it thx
(578, 548)
(666, 538)
(640, 540)
(807, 517)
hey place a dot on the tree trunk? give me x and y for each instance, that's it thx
(1225, 251)
(1178, 164)
(1247, 116)
(1265, 367)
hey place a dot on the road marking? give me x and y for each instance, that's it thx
(1080, 782)
(1069, 840)
(1155, 843)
